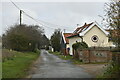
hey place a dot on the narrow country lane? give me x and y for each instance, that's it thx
(50, 66)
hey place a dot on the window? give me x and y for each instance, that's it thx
(94, 38)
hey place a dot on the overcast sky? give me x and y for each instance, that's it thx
(64, 14)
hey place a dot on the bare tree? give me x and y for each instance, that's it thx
(113, 20)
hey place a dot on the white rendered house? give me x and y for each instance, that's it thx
(93, 34)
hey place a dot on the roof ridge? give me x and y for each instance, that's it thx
(79, 29)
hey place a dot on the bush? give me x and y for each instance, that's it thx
(37, 50)
(81, 45)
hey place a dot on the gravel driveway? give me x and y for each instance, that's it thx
(94, 69)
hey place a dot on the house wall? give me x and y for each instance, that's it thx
(72, 41)
(63, 44)
(63, 47)
(102, 38)
(110, 43)
(67, 49)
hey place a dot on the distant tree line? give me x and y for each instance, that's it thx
(24, 38)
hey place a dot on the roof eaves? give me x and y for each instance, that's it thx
(72, 36)
(102, 28)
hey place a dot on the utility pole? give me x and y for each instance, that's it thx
(20, 17)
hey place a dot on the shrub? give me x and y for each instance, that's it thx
(81, 45)
(37, 50)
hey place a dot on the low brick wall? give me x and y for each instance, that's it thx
(94, 55)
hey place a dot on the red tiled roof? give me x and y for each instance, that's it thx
(80, 29)
(66, 35)
(73, 34)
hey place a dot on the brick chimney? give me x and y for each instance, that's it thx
(85, 24)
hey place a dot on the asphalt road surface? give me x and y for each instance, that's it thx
(51, 66)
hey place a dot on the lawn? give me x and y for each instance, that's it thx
(18, 64)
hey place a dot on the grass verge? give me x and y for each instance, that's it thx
(18, 65)
(68, 57)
